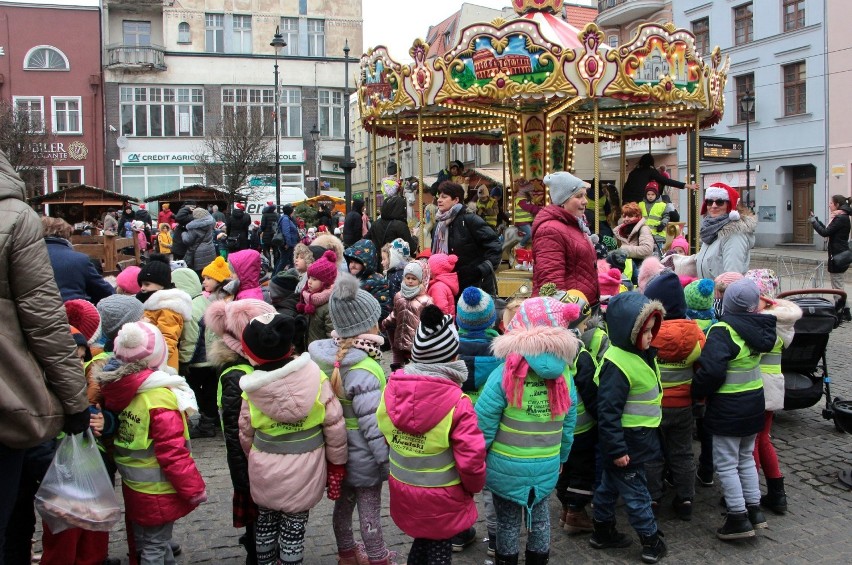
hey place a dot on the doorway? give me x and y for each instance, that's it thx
(804, 179)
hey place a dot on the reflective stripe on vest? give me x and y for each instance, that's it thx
(134, 449)
(679, 373)
(371, 366)
(770, 363)
(528, 431)
(98, 357)
(288, 438)
(654, 216)
(517, 433)
(521, 215)
(424, 460)
(643, 406)
(743, 372)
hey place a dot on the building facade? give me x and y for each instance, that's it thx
(55, 79)
(175, 71)
(778, 55)
(839, 78)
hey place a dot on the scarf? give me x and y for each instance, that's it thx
(311, 300)
(409, 292)
(368, 343)
(514, 376)
(441, 242)
(710, 227)
(626, 228)
(185, 396)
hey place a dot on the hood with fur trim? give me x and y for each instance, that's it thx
(537, 341)
(173, 299)
(786, 314)
(285, 394)
(626, 315)
(747, 224)
(228, 319)
(119, 386)
(219, 354)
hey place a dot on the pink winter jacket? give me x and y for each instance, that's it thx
(291, 482)
(246, 264)
(415, 403)
(404, 319)
(443, 288)
(166, 430)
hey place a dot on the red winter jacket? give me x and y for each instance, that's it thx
(563, 254)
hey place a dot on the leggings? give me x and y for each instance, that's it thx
(369, 503)
(431, 552)
(509, 516)
(280, 537)
(764, 451)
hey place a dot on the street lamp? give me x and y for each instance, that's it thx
(747, 106)
(348, 164)
(315, 135)
(278, 43)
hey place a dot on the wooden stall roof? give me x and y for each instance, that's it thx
(83, 194)
(193, 192)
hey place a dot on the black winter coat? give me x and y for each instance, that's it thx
(352, 226)
(232, 402)
(479, 250)
(638, 179)
(837, 232)
(585, 382)
(182, 218)
(268, 221)
(739, 414)
(238, 226)
(392, 224)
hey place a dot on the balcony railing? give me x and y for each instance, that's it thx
(136, 57)
(619, 12)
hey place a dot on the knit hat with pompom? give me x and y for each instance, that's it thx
(699, 294)
(141, 342)
(353, 311)
(324, 269)
(269, 337)
(83, 315)
(475, 310)
(217, 270)
(436, 339)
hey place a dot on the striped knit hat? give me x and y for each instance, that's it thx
(475, 310)
(436, 340)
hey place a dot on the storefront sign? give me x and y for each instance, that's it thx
(634, 147)
(186, 158)
(57, 151)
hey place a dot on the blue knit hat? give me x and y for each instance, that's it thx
(475, 310)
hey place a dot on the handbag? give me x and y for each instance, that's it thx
(842, 259)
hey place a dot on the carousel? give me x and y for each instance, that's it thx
(539, 87)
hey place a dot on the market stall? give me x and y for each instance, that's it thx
(202, 196)
(80, 205)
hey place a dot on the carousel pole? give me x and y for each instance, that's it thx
(509, 202)
(623, 172)
(398, 162)
(422, 235)
(693, 195)
(597, 170)
(375, 178)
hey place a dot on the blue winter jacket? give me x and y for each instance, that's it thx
(75, 274)
(289, 230)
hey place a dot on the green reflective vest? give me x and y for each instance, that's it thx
(371, 366)
(599, 205)
(597, 344)
(529, 432)
(584, 422)
(521, 215)
(487, 211)
(679, 372)
(422, 460)
(288, 438)
(705, 325)
(743, 372)
(643, 407)
(98, 357)
(245, 368)
(628, 269)
(654, 216)
(134, 449)
(770, 363)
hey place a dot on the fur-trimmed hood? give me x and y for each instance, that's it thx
(786, 314)
(228, 319)
(626, 315)
(536, 341)
(747, 224)
(220, 354)
(120, 385)
(173, 299)
(286, 394)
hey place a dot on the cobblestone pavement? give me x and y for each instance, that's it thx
(817, 528)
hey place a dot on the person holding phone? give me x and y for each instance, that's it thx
(837, 232)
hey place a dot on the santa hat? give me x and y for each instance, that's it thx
(240, 206)
(270, 203)
(721, 191)
(141, 206)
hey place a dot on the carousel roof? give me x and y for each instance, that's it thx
(498, 72)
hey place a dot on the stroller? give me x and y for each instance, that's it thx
(803, 363)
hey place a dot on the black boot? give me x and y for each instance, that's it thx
(533, 558)
(247, 540)
(755, 516)
(653, 547)
(736, 526)
(204, 427)
(606, 536)
(846, 315)
(506, 559)
(775, 498)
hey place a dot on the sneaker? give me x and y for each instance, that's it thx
(683, 508)
(756, 517)
(492, 544)
(704, 476)
(463, 539)
(736, 526)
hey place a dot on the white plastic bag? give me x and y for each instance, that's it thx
(76, 491)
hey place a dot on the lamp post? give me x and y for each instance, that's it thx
(348, 164)
(278, 43)
(315, 135)
(747, 105)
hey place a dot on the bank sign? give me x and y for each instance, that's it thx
(140, 158)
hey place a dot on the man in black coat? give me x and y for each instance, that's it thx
(182, 218)
(237, 227)
(268, 223)
(352, 225)
(392, 224)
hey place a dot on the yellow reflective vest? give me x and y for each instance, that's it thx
(743, 372)
(654, 216)
(643, 408)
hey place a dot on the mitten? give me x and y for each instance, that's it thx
(77, 423)
(334, 480)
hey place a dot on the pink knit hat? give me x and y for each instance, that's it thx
(651, 267)
(766, 280)
(609, 282)
(441, 263)
(126, 280)
(324, 269)
(723, 280)
(141, 341)
(681, 242)
(544, 311)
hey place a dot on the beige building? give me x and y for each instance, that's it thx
(839, 84)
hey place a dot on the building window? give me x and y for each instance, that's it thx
(162, 112)
(67, 115)
(253, 106)
(794, 89)
(794, 14)
(612, 40)
(743, 84)
(701, 31)
(331, 113)
(214, 33)
(316, 38)
(66, 177)
(45, 58)
(242, 34)
(136, 34)
(31, 110)
(183, 33)
(290, 32)
(291, 112)
(743, 25)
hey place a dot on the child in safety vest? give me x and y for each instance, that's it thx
(226, 321)
(728, 376)
(629, 394)
(352, 358)
(437, 454)
(160, 482)
(292, 431)
(678, 345)
(655, 210)
(527, 412)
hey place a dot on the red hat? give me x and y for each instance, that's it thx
(721, 191)
(141, 206)
(652, 185)
(240, 206)
(270, 203)
(83, 315)
(257, 222)
(324, 269)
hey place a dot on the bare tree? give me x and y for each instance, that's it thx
(238, 149)
(24, 140)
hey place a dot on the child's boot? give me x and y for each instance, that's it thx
(506, 559)
(355, 556)
(388, 559)
(606, 536)
(775, 498)
(577, 521)
(535, 558)
(736, 526)
(653, 547)
(248, 542)
(755, 516)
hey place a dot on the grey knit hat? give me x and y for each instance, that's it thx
(563, 185)
(436, 339)
(117, 310)
(353, 311)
